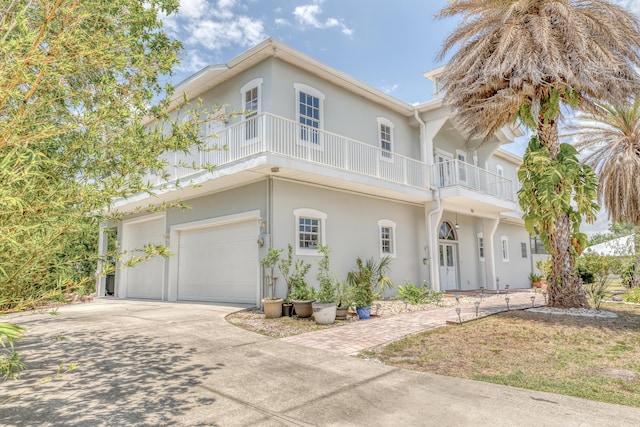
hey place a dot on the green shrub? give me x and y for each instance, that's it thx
(417, 295)
(597, 292)
(632, 296)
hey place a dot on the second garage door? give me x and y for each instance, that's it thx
(219, 263)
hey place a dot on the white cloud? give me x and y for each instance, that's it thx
(281, 22)
(208, 26)
(193, 8)
(308, 15)
(390, 88)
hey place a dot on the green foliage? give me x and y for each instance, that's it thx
(327, 291)
(344, 294)
(534, 277)
(10, 363)
(368, 280)
(297, 287)
(632, 296)
(417, 295)
(272, 258)
(597, 292)
(616, 229)
(554, 187)
(628, 274)
(73, 134)
(593, 267)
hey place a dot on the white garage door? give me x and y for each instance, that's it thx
(219, 263)
(145, 279)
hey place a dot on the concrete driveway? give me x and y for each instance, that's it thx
(154, 363)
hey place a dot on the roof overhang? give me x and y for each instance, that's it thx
(213, 75)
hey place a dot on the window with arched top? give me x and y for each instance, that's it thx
(447, 232)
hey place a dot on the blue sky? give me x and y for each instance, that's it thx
(386, 44)
(386, 47)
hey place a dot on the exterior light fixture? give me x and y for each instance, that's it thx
(533, 299)
(507, 301)
(458, 312)
(477, 304)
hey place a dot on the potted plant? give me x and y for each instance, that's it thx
(344, 299)
(272, 305)
(535, 279)
(368, 280)
(324, 307)
(299, 292)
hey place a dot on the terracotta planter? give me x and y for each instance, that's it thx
(272, 308)
(303, 308)
(341, 313)
(324, 313)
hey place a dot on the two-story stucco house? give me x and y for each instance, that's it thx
(321, 157)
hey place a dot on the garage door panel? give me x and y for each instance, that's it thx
(219, 263)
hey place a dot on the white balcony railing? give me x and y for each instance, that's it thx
(267, 133)
(457, 173)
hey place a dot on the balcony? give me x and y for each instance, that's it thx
(269, 134)
(455, 173)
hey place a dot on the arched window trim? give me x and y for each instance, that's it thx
(451, 232)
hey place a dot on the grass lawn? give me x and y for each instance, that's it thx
(597, 359)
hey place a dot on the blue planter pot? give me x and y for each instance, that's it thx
(363, 312)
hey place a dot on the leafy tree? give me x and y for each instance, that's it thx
(76, 87)
(525, 61)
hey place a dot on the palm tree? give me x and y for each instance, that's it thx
(524, 60)
(610, 139)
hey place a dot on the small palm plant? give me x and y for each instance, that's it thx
(369, 279)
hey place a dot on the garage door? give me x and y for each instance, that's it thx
(145, 280)
(219, 263)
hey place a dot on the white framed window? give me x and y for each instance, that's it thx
(461, 156)
(251, 102)
(480, 238)
(310, 230)
(309, 112)
(385, 137)
(504, 245)
(387, 235)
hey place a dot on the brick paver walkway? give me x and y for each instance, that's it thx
(361, 335)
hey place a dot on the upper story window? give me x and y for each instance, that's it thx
(251, 101)
(387, 232)
(309, 112)
(385, 134)
(310, 230)
(523, 249)
(505, 248)
(499, 170)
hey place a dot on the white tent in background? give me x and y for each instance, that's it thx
(622, 246)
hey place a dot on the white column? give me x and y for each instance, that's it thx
(433, 216)
(103, 247)
(489, 227)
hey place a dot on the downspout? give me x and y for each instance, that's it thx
(433, 276)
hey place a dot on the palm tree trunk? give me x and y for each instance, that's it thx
(565, 289)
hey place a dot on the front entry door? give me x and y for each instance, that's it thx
(448, 267)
